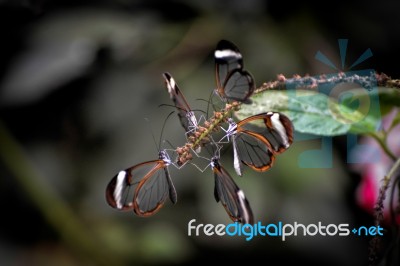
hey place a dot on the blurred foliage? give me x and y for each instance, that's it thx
(77, 80)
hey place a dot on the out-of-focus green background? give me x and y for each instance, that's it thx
(78, 79)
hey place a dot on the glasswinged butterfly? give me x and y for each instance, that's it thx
(233, 82)
(257, 139)
(186, 115)
(142, 188)
(230, 195)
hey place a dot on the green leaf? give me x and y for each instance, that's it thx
(387, 97)
(316, 113)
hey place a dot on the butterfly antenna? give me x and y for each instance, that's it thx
(152, 132)
(165, 104)
(163, 127)
(177, 107)
(199, 110)
(208, 105)
(158, 146)
(210, 101)
(170, 144)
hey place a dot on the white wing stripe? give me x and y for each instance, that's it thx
(221, 54)
(119, 187)
(280, 128)
(242, 201)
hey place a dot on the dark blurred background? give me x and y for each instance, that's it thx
(78, 79)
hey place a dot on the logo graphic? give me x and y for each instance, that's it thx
(280, 229)
(343, 49)
(365, 102)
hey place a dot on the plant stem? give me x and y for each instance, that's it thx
(375, 241)
(310, 83)
(383, 145)
(217, 122)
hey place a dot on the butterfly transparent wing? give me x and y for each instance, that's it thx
(231, 197)
(251, 150)
(152, 191)
(227, 59)
(239, 86)
(274, 128)
(143, 188)
(186, 115)
(232, 81)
